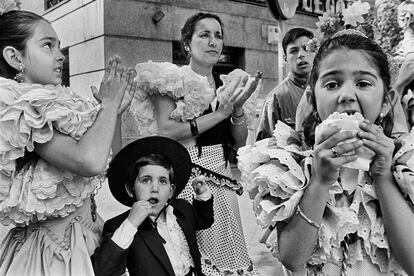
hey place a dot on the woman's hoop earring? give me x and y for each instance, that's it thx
(187, 50)
(20, 75)
(380, 120)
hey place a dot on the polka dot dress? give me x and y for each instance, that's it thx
(222, 246)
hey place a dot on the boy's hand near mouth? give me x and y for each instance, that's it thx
(139, 211)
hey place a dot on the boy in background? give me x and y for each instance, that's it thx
(282, 101)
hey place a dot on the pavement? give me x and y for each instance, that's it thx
(266, 264)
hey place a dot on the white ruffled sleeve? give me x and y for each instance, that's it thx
(275, 173)
(30, 114)
(189, 91)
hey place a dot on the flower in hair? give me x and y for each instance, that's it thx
(406, 22)
(388, 33)
(405, 14)
(312, 45)
(353, 14)
(330, 23)
(9, 5)
(349, 18)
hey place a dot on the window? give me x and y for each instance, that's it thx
(179, 57)
(230, 59)
(65, 69)
(51, 3)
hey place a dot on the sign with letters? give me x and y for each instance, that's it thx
(321, 6)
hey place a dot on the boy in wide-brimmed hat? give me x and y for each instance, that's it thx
(157, 236)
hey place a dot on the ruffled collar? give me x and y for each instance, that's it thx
(11, 84)
(12, 90)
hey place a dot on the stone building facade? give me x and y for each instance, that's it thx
(91, 31)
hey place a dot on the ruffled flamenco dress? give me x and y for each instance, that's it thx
(222, 246)
(276, 171)
(56, 229)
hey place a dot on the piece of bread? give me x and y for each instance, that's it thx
(232, 76)
(222, 95)
(348, 123)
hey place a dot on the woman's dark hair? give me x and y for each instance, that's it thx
(189, 27)
(16, 28)
(374, 54)
(150, 159)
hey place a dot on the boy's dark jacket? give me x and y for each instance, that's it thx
(146, 255)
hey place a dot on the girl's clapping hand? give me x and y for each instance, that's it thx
(374, 138)
(113, 84)
(129, 91)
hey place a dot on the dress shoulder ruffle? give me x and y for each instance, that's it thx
(189, 90)
(275, 172)
(30, 113)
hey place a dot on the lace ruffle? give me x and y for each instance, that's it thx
(276, 171)
(179, 243)
(29, 114)
(217, 179)
(209, 268)
(189, 90)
